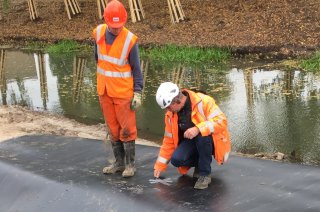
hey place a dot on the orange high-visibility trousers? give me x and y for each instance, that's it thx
(120, 119)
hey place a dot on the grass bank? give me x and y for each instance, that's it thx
(172, 53)
(312, 63)
(168, 53)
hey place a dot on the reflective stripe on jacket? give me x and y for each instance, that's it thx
(208, 117)
(113, 70)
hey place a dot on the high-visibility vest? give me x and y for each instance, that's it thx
(113, 70)
(209, 119)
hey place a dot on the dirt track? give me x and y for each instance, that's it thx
(286, 26)
(16, 121)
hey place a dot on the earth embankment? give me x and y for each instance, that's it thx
(287, 27)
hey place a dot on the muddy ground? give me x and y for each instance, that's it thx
(16, 121)
(284, 27)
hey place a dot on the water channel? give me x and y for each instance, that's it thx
(269, 109)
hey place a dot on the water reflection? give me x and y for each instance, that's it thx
(283, 114)
(28, 80)
(3, 83)
(269, 110)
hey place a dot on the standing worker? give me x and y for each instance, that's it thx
(195, 129)
(119, 85)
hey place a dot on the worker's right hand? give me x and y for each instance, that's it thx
(156, 173)
(191, 132)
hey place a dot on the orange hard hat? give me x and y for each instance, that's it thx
(115, 15)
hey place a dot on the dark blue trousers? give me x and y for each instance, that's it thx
(196, 152)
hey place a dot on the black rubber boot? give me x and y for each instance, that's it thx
(118, 165)
(129, 149)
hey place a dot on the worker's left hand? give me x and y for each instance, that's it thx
(191, 132)
(136, 101)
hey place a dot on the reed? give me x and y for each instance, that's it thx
(172, 53)
(312, 63)
(35, 45)
(64, 46)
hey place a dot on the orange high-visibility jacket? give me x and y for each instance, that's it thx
(208, 117)
(113, 70)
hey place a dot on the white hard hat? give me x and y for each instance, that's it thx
(165, 93)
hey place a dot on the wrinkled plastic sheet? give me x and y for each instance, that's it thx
(55, 173)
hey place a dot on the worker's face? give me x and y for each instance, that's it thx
(115, 31)
(174, 107)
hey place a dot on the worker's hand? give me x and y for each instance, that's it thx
(156, 173)
(136, 101)
(191, 132)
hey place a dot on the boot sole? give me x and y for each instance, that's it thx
(125, 176)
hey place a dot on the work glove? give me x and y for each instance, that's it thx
(136, 101)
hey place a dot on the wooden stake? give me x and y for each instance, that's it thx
(179, 7)
(2, 54)
(77, 5)
(33, 16)
(3, 83)
(35, 9)
(136, 10)
(133, 16)
(175, 10)
(104, 3)
(141, 8)
(170, 11)
(99, 9)
(72, 5)
(32, 10)
(67, 8)
(101, 5)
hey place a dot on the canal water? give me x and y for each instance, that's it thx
(269, 109)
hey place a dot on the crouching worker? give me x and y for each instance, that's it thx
(119, 85)
(195, 129)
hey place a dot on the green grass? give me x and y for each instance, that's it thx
(36, 45)
(64, 46)
(312, 63)
(6, 5)
(171, 53)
